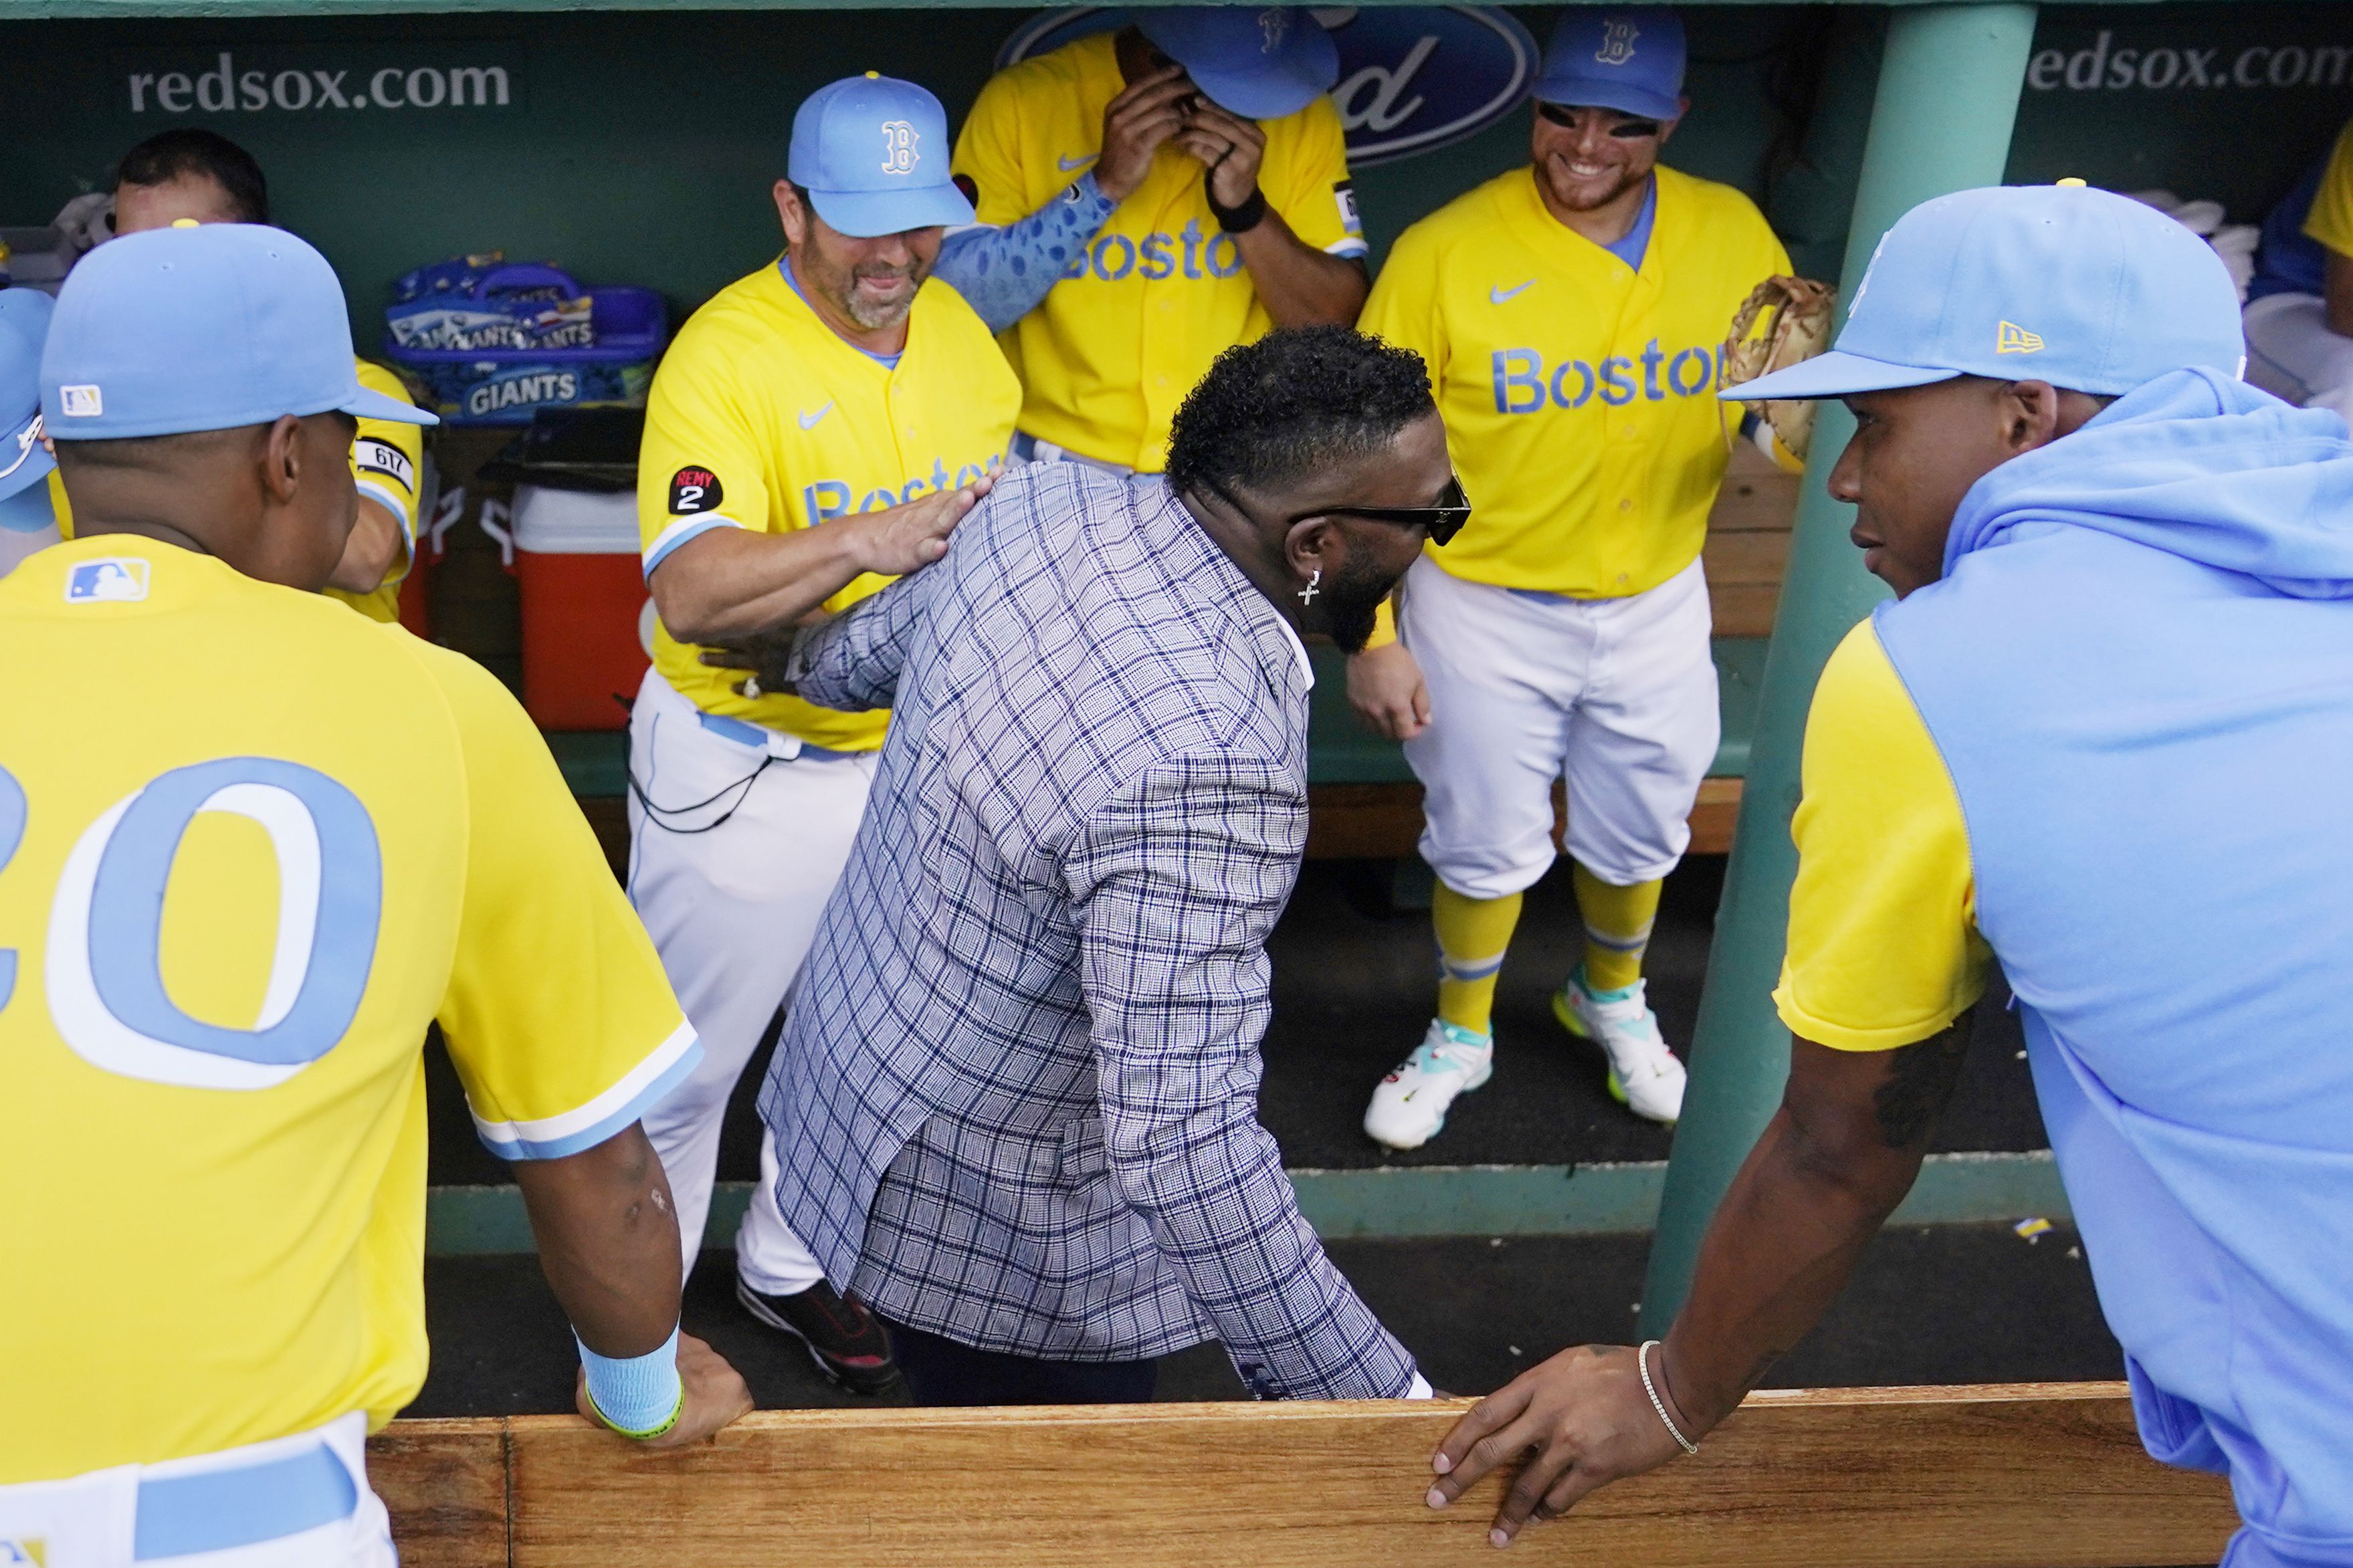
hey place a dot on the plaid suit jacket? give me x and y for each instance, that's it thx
(1015, 1101)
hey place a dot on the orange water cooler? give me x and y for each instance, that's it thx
(587, 621)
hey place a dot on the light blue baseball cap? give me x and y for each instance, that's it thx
(23, 324)
(209, 327)
(1261, 62)
(2086, 289)
(872, 152)
(1626, 59)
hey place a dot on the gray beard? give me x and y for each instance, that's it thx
(870, 316)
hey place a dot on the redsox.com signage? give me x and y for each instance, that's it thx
(277, 80)
(2147, 60)
(1413, 77)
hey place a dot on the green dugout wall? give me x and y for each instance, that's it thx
(638, 145)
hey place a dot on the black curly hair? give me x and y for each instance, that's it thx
(1296, 399)
(192, 149)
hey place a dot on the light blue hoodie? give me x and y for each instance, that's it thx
(2138, 668)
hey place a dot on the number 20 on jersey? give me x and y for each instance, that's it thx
(102, 968)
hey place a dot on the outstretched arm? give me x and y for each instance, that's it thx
(1844, 1148)
(607, 1237)
(1006, 273)
(850, 661)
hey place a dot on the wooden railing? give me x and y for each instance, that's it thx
(2008, 1475)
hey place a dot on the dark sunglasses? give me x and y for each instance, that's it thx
(1624, 131)
(1444, 520)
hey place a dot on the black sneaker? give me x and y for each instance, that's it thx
(848, 1346)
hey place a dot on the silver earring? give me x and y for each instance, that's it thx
(1307, 594)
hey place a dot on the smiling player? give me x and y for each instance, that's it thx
(817, 428)
(1570, 315)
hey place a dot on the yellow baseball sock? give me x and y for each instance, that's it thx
(1617, 927)
(1472, 936)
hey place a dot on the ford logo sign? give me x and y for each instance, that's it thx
(1413, 77)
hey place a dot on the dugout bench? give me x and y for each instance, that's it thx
(2024, 1476)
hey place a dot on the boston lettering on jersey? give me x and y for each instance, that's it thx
(830, 498)
(1188, 253)
(1525, 382)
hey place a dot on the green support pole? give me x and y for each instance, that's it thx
(1948, 97)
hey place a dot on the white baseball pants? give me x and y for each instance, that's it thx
(1615, 696)
(2292, 354)
(299, 1501)
(730, 872)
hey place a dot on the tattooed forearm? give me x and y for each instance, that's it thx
(1919, 1082)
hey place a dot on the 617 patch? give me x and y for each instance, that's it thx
(692, 491)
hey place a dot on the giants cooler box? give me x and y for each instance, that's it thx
(587, 621)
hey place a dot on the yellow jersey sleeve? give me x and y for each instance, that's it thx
(1313, 192)
(561, 1022)
(988, 154)
(1884, 948)
(2330, 221)
(700, 465)
(387, 463)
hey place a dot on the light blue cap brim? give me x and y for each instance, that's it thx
(1834, 375)
(1593, 92)
(868, 214)
(1272, 94)
(36, 466)
(369, 403)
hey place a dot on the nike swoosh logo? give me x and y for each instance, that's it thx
(1070, 164)
(1498, 296)
(809, 421)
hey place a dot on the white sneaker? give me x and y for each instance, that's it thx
(1644, 1076)
(1410, 1105)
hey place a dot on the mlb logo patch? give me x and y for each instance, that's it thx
(112, 580)
(80, 402)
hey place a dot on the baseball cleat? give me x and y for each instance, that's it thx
(1644, 1076)
(840, 1335)
(1410, 1105)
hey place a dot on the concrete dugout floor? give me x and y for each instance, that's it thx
(1352, 991)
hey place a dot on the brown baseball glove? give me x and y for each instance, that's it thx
(1784, 322)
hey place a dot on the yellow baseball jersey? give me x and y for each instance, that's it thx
(1136, 320)
(1578, 395)
(763, 417)
(250, 846)
(1883, 946)
(2330, 221)
(385, 460)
